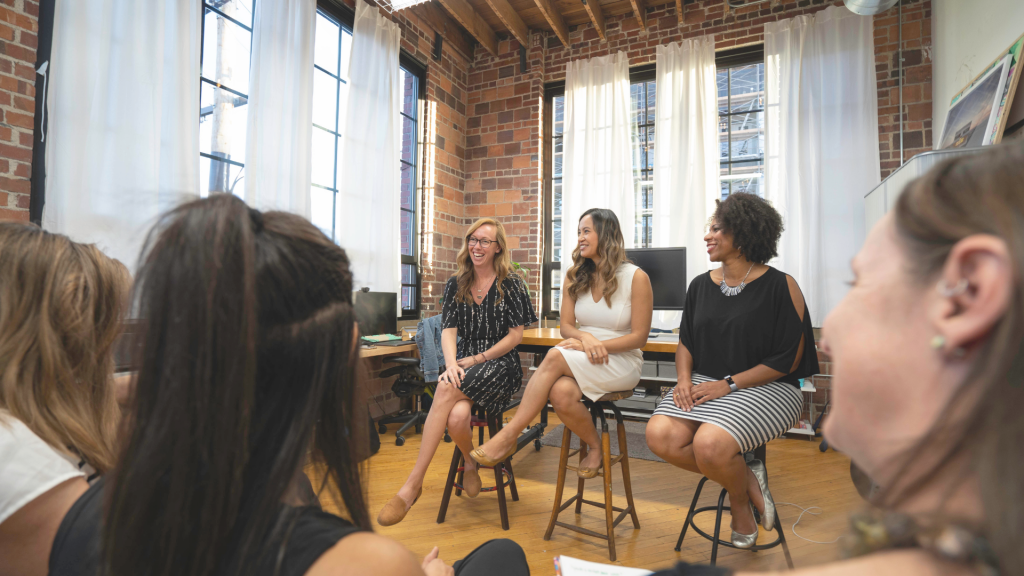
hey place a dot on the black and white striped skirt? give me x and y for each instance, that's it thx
(752, 416)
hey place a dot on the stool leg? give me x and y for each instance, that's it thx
(718, 526)
(624, 450)
(782, 538)
(606, 453)
(449, 484)
(563, 461)
(499, 481)
(689, 515)
(580, 481)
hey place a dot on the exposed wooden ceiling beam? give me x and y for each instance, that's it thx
(436, 18)
(472, 22)
(554, 18)
(511, 20)
(640, 11)
(596, 16)
(679, 11)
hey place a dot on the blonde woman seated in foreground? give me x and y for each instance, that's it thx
(613, 302)
(928, 377)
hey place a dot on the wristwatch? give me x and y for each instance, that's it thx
(732, 384)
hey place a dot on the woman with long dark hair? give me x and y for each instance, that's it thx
(613, 301)
(486, 307)
(246, 367)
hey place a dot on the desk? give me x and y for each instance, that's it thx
(387, 350)
(540, 340)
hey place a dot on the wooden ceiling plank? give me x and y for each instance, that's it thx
(512, 21)
(640, 11)
(472, 22)
(435, 18)
(597, 17)
(554, 18)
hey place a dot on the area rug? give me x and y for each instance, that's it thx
(636, 439)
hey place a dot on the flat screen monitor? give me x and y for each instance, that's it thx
(667, 269)
(376, 312)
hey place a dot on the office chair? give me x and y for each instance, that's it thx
(410, 383)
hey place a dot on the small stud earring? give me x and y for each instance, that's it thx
(938, 341)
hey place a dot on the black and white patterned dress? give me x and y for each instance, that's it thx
(489, 385)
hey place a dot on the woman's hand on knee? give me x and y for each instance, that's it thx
(453, 375)
(595, 350)
(681, 396)
(571, 344)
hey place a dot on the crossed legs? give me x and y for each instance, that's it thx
(709, 450)
(553, 379)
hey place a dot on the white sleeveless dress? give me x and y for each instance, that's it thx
(622, 372)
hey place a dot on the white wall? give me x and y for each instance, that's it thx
(967, 35)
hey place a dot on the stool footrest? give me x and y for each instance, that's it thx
(582, 530)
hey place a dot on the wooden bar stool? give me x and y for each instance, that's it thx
(597, 410)
(759, 453)
(502, 474)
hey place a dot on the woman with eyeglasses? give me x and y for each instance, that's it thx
(485, 306)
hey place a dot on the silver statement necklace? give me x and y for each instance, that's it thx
(734, 290)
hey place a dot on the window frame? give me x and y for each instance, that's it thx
(745, 55)
(345, 16)
(735, 58)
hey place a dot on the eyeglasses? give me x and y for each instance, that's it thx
(484, 243)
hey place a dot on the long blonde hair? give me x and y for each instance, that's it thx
(61, 308)
(610, 247)
(466, 273)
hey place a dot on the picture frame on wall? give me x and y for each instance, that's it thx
(977, 114)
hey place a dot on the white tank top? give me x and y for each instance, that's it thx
(603, 322)
(29, 467)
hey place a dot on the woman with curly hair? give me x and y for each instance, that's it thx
(744, 343)
(485, 308)
(613, 302)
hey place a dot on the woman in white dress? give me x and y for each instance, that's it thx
(613, 302)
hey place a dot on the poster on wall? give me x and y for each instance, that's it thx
(978, 113)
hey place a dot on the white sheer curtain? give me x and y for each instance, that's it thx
(280, 122)
(367, 213)
(822, 145)
(123, 139)
(686, 161)
(599, 164)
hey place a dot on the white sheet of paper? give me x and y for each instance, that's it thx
(569, 566)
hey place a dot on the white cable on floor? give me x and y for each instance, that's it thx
(800, 517)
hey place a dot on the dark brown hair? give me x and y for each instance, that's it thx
(248, 344)
(754, 224)
(61, 308)
(611, 247)
(977, 194)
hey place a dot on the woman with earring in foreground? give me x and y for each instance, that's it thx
(486, 307)
(927, 352)
(613, 301)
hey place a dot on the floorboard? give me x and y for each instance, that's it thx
(798, 473)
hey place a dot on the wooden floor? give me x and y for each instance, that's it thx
(799, 474)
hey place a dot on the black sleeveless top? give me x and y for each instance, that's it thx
(76, 548)
(727, 335)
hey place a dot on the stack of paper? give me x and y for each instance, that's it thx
(569, 566)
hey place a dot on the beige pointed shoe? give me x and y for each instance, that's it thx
(395, 510)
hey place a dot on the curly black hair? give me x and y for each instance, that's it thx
(754, 224)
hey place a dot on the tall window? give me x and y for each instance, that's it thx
(741, 127)
(642, 96)
(330, 90)
(223, 94)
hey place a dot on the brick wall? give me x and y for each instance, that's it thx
(19, 23)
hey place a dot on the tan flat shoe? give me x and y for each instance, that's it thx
(481, 458)
(395, 510)
(471, 482)
(588, 473)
